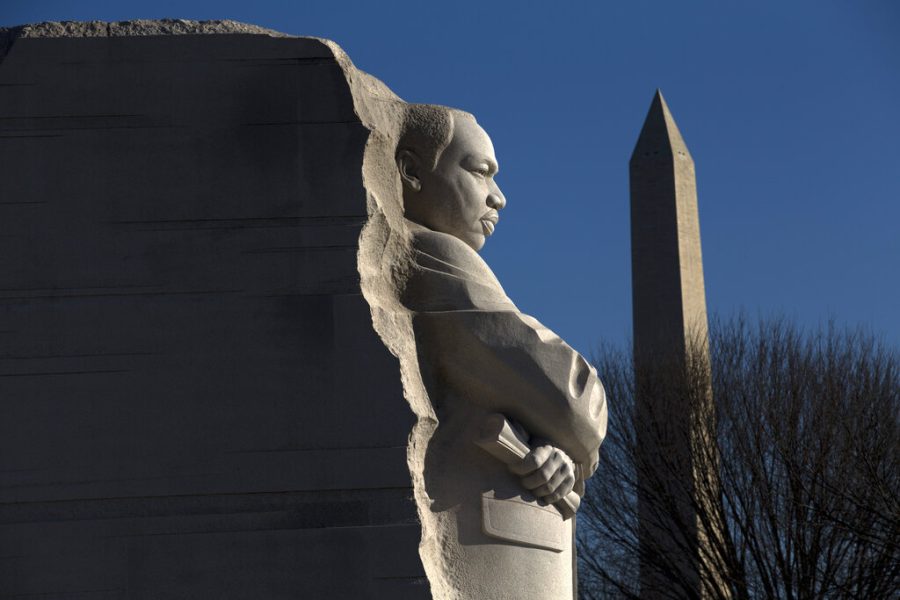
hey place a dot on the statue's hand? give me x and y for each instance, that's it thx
(547, 471)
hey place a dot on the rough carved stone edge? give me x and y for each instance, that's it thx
(138, 27)
(384, 243)
(384, 251)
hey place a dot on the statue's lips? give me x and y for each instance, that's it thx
(489, 222)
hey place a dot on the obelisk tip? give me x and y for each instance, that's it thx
(660, 133)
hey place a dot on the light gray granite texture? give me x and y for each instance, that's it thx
(248, 348)
(515, 416)
(194, 401)
(670, 332)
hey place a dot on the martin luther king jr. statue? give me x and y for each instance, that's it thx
(497, 521)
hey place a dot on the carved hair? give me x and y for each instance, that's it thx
(427, 130)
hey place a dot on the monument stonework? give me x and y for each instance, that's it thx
(489, 531)
(670, 333)
(247, 346)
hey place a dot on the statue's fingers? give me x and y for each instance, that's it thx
(543, 491)
(539, 478)
(556, 463)
(533, 461)
(561, 491)
(543, 475)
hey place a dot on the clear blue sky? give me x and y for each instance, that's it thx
(790, 109)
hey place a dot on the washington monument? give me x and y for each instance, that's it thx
(670, 334)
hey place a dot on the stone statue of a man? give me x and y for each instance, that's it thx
(498, 533)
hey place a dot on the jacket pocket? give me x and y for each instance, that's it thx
(523, 522)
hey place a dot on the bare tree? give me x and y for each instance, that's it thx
(797, 486)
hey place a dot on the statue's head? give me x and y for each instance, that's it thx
(447, 166)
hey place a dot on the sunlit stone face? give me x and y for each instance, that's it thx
(460, 196)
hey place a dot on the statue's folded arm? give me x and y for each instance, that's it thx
(479, 355)
(507, 362)
(484, 350)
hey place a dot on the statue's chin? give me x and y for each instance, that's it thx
(469, 238)
(477, 243)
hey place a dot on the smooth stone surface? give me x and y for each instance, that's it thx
(670, 329)
(488, 529)
(211, 300)
(195, 403)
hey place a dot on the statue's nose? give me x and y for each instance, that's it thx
(496, 200)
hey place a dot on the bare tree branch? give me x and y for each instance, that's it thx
(796, 487)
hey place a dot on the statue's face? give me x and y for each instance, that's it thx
(460, 197)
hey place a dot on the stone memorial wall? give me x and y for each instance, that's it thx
(193, 400)
(248, 348)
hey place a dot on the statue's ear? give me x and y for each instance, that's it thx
(409, 165)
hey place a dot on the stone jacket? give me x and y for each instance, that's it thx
(475, 340)
(478, 354)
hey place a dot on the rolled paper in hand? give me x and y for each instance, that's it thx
(503, 442)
